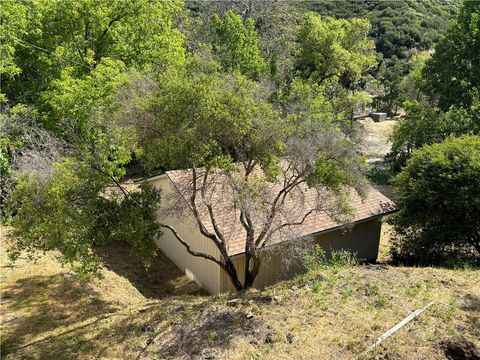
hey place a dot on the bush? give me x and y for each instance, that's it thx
(316, 258)
(379, 175)
(424, 126)
(70, 212)
(342, 258)
(439, 198)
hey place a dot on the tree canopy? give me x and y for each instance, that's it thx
(236, 44)
(453, 72)
(42, 38)
(442, 93)
(440, 201)
(333, 48)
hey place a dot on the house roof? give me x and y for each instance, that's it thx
(296, 209)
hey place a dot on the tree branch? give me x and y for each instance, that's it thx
(189, 249)
(124, 191)
(217, 230)
(285, 190)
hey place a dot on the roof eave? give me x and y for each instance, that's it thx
(150, 178)
(325, 231)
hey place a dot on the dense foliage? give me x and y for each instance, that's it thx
(61, 150)
(42, 38)
(236, 45)
(439, 193)
(397, 26)
(400, 29)
(68, 213)
(443, 90)
(332, 58)
(453, 72)
(87, 86)
(333, 48)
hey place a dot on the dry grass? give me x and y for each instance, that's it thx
(331, 314)
(376, 144)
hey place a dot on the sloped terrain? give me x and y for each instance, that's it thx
(331, 313)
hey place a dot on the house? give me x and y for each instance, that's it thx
(361, 236)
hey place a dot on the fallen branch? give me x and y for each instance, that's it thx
(397, 327)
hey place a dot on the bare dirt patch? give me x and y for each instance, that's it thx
(213, 331)
(459, 349)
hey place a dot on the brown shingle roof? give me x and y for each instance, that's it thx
(300, 201)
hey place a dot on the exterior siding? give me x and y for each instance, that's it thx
(273, 269)
(363, 238)
(202, 271)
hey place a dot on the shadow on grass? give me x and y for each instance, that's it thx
(59, 317)
(161, 280)
(38, 308)
(210, 332)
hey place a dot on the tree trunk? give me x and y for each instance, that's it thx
(232, 273)
(251, 274)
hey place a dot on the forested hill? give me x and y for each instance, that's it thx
(397, 26)
(400, 29)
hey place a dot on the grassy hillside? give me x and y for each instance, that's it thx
(333, 313)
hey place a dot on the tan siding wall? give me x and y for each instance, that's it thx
(273, 269)
(363, 238)
(204, 272)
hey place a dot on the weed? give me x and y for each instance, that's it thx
(316, 258)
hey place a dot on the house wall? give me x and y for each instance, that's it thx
(363, 238)
(204, 272)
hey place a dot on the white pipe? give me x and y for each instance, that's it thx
(397, 327)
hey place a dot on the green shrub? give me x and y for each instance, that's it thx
(439, 197)
(69, 212)
(316, 258)
(342, 258)
(379, 176)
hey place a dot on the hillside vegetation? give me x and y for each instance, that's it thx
(330, 313)
(266, 95)
(397, 26)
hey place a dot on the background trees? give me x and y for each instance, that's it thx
(400, 29)
(42, 38)
(436, 192)
(453, 72)
(439, 193)
(333, 48)
(444, 103)
(332, 58)
(88, 86)
(236, 44)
